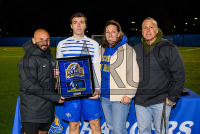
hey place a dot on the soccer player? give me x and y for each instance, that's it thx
(81, 45)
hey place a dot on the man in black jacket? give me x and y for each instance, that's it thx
(162, 78)
(37, 86)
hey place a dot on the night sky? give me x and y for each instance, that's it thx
(20, 18)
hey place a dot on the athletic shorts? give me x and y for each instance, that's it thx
(89, 108)
(34, 128)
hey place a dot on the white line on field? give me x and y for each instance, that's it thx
(7, 50)
(190, 49)
(9, 56)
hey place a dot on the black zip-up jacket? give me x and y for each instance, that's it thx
(37, 90)
(162, 73)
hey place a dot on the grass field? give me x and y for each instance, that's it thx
(9, 85)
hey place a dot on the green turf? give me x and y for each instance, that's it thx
(9, 85)
(191, 58)
(78, 89)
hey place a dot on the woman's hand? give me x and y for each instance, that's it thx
(125, 100)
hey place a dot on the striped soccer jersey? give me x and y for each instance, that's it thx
(72, 47)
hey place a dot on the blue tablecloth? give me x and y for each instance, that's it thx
(184, 119)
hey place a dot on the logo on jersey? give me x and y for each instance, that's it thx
(73, 70)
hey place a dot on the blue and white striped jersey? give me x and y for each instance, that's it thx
(72, 47)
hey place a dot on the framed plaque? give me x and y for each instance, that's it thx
(76, 77)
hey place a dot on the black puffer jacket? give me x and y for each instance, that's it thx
(37, 92)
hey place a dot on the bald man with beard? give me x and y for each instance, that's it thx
(37, 88)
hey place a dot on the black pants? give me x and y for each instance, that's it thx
(34, 128)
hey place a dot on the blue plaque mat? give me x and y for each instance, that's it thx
(76, 77)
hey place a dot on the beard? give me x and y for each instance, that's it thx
(42, 47)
